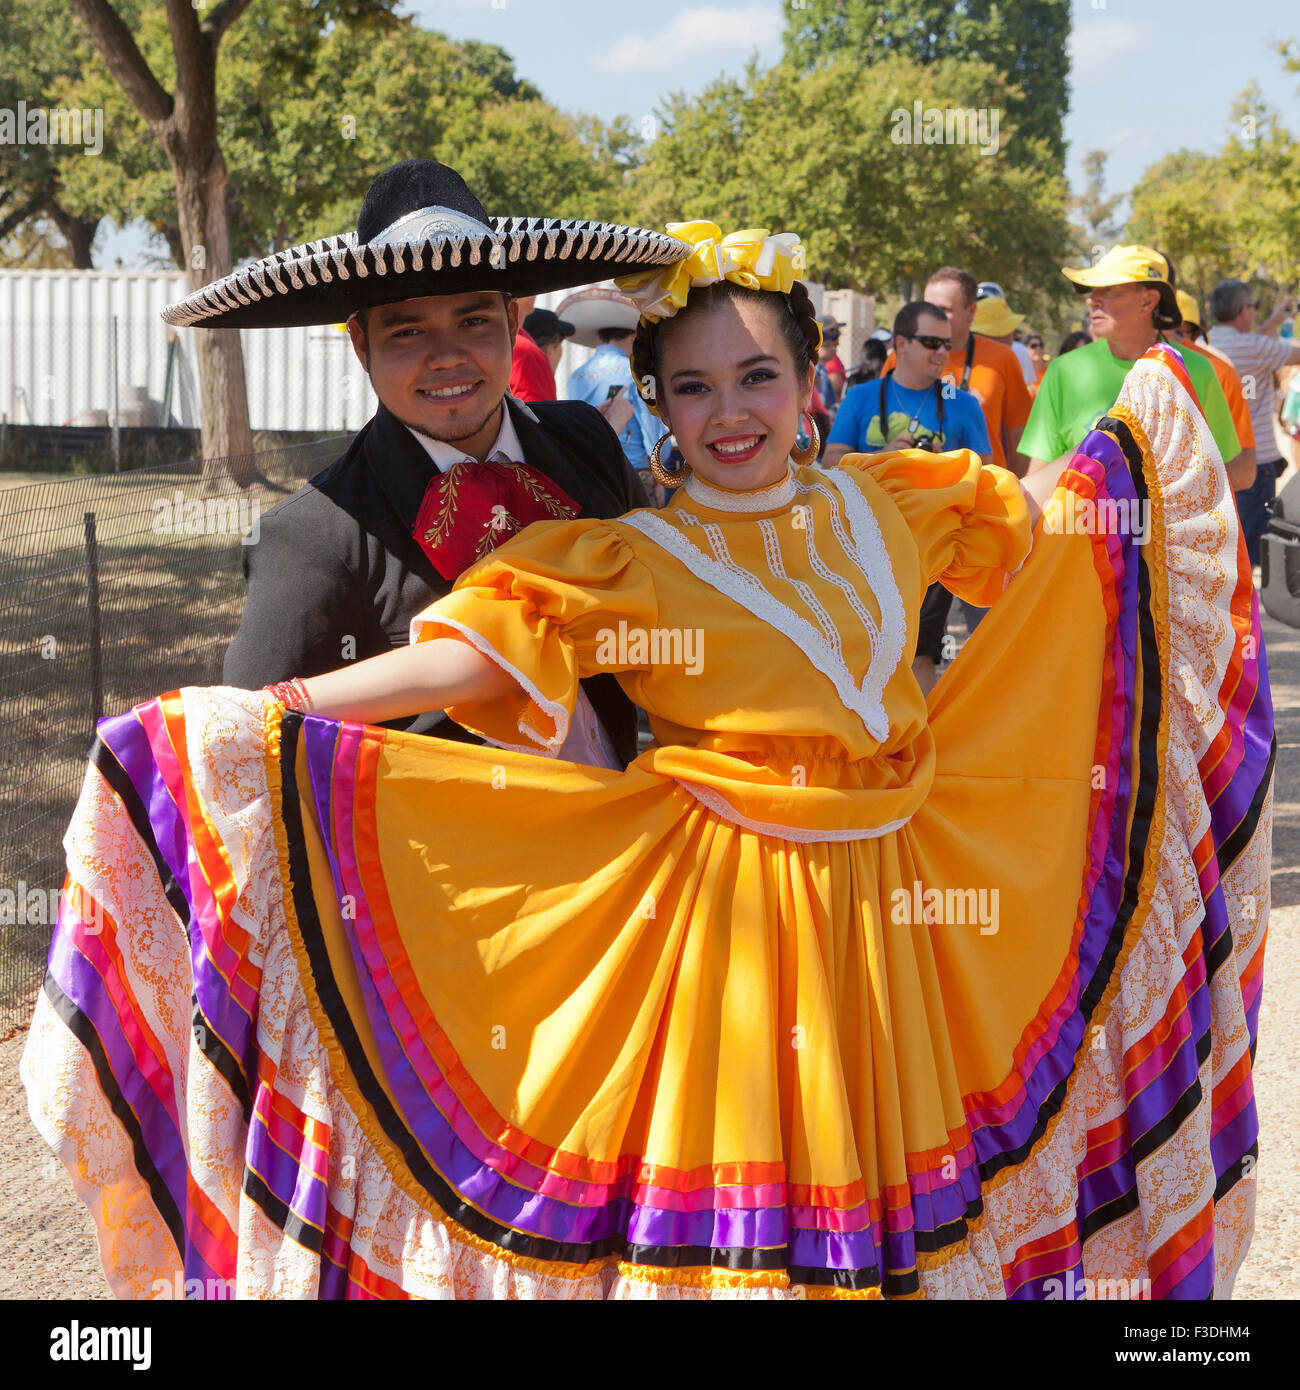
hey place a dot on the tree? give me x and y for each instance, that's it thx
(1183, 206)
(184, 122)
(1025, 41)
(1235, 213)
(1095, 214)
(40, 62)
(815, 152)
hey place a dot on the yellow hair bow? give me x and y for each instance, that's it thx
(752, 258)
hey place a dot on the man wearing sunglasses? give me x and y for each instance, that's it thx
(911, 407)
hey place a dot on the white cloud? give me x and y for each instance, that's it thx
(694, 32)
(1097, 45)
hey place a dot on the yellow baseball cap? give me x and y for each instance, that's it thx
(995, 318)
(1132, 265)
(1188, 308)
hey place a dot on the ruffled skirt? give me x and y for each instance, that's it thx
(336, 1012)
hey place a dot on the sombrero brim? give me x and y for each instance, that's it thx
(328, 281)
(599, 307)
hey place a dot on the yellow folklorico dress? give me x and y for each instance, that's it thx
(833, 992)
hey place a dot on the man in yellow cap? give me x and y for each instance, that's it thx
(1131, 305)
(1186, 334)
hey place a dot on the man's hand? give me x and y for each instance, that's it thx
(900, 441)
(618, 412)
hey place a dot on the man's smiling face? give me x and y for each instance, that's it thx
(441, 364)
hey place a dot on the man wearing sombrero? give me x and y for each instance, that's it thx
(450, 465)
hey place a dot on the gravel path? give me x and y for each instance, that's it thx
(47, 1240)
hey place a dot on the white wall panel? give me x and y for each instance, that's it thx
(56, 355)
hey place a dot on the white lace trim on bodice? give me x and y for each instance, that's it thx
(861, 543)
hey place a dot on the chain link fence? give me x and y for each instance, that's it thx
(113, 588)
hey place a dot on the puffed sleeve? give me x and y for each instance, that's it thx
(545, 606)
(970, 521)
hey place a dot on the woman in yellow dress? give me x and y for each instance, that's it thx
(833, 992)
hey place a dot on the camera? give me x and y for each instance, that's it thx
(931, 443)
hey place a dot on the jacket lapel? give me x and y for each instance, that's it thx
(400, 467)
(541, 453)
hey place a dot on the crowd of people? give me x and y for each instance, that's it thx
(958, 371)
(843, 987)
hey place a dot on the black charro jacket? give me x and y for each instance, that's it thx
(337, 560)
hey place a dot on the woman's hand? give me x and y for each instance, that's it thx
(409, 681)
(1038, 485)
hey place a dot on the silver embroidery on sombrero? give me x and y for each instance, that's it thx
(431, 237)
(426, 223)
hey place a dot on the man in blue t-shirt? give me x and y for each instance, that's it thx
(910, 407)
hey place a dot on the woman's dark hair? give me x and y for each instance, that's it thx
(798, 325)
(1077, 339)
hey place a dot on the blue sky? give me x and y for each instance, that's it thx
(1147, 76)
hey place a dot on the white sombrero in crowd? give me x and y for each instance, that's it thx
(600, 306)
(421, 232)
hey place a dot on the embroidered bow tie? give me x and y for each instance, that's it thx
(471, 508)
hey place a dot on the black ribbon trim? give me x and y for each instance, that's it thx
(83, 1030)
(1241, 1171)
(220, 1057)
(104, 760)
(428, 1177)
(1143, 800)
(308, 1236)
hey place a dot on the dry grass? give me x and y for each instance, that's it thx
(168, 606)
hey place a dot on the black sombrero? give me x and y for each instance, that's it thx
(421, 232)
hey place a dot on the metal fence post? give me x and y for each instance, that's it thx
(117, 414)
(92, 604)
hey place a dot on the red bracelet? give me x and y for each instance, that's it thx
(292, 694)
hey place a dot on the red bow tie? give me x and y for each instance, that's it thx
(471, 508)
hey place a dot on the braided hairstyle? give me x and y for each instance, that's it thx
(799, 326)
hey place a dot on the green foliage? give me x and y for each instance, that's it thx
(1235, 213)
(1024, 40)
(42, 54)
(309, 111)
(812, 152)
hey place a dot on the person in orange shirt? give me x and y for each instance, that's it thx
(1185, 336)
(982, 366)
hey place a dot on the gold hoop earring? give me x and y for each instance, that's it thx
(663, 476)
(804, 457)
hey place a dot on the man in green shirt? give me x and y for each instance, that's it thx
(1130, 301)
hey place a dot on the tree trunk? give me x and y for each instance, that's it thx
(187, 126)
(78, 232)
(205, 234)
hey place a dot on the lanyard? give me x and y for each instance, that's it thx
(916, 419)
(970, 361)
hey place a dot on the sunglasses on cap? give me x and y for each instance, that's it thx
(928, 341)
